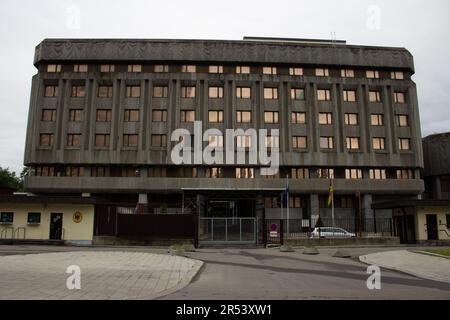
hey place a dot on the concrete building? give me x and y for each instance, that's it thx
(102, 113)
(427, 220)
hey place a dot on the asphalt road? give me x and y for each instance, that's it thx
(256, 274)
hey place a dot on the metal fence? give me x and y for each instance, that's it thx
(227, 230)
(364, 228)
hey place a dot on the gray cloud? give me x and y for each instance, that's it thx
(421, 26)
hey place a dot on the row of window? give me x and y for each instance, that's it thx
(242, 141)
(219, 172)
(8, 217)
(219, 69)
(217, 116)
(270, 93)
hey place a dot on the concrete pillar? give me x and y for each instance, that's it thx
(367, 211)
(314, 209)
(437, 192)
(142, 203)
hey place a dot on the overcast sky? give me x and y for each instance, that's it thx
(422, 26)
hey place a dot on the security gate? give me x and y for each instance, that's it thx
(227, 231)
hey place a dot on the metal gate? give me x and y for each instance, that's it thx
(227, 231)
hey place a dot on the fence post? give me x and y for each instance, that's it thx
(281, 232)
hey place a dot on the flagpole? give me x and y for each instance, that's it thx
(332, 202)
(287, 203)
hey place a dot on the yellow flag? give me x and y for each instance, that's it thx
(330, 194)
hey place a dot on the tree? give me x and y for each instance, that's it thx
(9, 179)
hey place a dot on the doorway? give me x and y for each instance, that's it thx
(56, 229)
(432, 227)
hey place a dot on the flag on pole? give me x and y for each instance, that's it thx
(330, 194)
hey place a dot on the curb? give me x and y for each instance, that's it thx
(364, 260)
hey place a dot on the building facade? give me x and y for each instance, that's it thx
(102, 114)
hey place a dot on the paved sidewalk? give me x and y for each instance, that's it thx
(104, 275)
(416, 264)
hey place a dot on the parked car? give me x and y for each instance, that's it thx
(330, 232)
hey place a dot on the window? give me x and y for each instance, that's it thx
(159, 140)
(80, 68)
(402, 120)
(134, 68)
(214, 173)
(186, 172)
(187, 115)
(399, 97)
(161, 68)
(242, 70)
(103, 115)
(272, 142)
(448, 221)
(131, 115)
(52, 68)
(215, 69)
(105, 91)
(299, 142)
(270, 70)
(243, 92)
(353, 174)
(295, 71)
(374, 96)
(352, 143)
(298, 117)
(157, 172)
(51, 91)
(405, 174)
(321, 72)
(133, 91)
(78, 91)
(299, 173)
(377, 120)
(34, 218)
(271, 93)
(7, 217)
(325, 118)
(323, 95)
(73, 140)
(243, 116)
(130, 172)
(346, 203)
(326, 143)
(45, 171)
(297, 94)
(215, 116)
(102, 140)
(106, 68)
(326, 173)
(244, 142)
(378, 143)
(272, 202)
(100, 172)
(48, 115)
(215, 141)
(245, 173)
(130, 140)
(349, 95)
(188, 92)
(160, 92)
(397, 75)
(351, 119)
(46, 139)
(347, 73)
(271, 117)
(377, 174)
(404, 144)
(371, 74)
(75, 115)
(215, 92)
(159, 116)
(188, 68)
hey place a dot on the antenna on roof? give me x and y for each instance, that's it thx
(333, 37)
